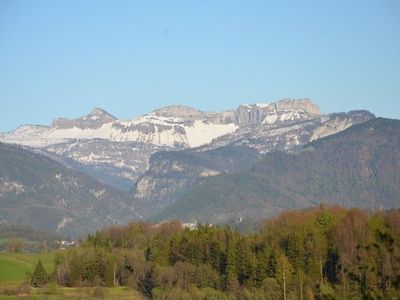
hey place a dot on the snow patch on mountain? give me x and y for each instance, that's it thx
(203, 133)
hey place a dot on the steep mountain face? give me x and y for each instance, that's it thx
(281, 126)
(40, 192)
(171, 173)
(276, 113)
(359, 167)
(115, 163)
(296, 130)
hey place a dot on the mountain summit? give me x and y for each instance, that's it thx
(95, 119)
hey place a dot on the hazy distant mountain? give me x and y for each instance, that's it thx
(40, 192)
(359, 167)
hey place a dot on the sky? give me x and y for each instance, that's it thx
(63, 58)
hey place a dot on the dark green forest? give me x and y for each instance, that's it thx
(319, 253)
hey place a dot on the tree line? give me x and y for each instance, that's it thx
(319, 253)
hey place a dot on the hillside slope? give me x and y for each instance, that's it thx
(359, 167)
(172, 173)
(40, 192)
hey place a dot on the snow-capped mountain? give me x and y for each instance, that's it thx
(118, 151)
(285, 134)
(174, 126)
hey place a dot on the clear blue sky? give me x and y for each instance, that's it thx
(62, 58)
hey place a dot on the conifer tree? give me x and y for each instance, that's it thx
(39, 275)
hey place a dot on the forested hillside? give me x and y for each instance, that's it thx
(38, 191)
(359, 167)
(320, 253)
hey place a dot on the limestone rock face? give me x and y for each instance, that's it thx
(279, 112)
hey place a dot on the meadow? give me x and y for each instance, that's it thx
(16, 267)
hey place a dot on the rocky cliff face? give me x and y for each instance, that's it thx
(286, 134)
(118, 164)
(281, 112)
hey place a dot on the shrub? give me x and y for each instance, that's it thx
(23, 289)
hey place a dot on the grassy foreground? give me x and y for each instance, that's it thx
(14, 268)
(120, 293)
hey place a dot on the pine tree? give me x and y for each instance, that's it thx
(232, 283)
(39, 276)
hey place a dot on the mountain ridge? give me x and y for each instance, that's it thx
(87, 139)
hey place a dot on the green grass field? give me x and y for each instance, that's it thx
(15, 266)
(117, 293)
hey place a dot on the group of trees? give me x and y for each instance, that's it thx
(321, 253)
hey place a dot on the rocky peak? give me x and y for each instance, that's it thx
(177, 111)
(97, 111)
(298, 104)
(95, 119)
(276, 113)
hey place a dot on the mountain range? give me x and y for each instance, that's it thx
(156, 166)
